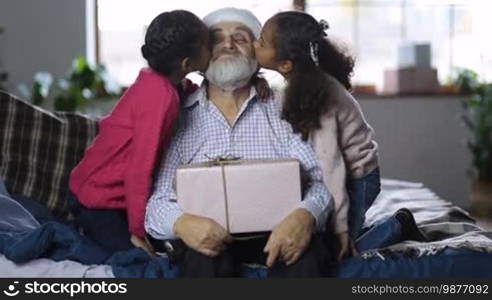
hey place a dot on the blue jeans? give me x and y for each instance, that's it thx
(106, 227)
(382, 234)
(362, 192)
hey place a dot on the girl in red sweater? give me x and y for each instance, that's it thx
(116, 172)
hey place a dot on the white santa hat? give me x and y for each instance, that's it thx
(231, 14)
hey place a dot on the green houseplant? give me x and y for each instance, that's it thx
(84, 84)
(477, 116)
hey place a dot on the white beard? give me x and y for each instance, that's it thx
(232, 72)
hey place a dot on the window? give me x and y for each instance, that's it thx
(371, 29)
(122, 25)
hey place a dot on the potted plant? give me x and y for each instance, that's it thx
(84, 85)
(477, 117)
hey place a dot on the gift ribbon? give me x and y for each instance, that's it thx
(222, 161)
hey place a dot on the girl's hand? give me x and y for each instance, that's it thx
(186, 87)
(142, 243)
(263, 89)
(347, 246)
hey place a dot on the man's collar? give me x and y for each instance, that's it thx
(200, 96)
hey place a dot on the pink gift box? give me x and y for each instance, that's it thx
(243, 195)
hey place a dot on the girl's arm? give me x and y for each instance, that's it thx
(335, 178)
(156, 111)
(332, 162)
(186, 88)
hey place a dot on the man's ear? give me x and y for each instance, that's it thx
(285, 66)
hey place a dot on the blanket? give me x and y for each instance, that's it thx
(446, 225)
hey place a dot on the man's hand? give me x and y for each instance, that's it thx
(202, 234)
(347, 246)
(290, 238)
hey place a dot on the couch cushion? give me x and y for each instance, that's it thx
(38, 150)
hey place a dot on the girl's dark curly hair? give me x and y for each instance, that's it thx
(307, 95)
(171, 37)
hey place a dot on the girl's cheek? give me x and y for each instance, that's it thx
(257, 51)
(259, 57)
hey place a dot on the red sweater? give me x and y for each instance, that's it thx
(116, 171)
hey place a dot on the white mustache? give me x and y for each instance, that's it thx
(234, 54)
(232, 73)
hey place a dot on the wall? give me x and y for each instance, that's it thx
(422, 139)
(40, 36)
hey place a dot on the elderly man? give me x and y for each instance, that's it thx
(223, 117)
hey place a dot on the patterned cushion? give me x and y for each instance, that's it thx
(38, 150)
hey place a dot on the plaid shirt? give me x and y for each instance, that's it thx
(257, 133)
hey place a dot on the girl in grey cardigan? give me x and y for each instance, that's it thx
(319, 106)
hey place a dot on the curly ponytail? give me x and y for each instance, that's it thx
(301, 39)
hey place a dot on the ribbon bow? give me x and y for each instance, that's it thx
(222, 160)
